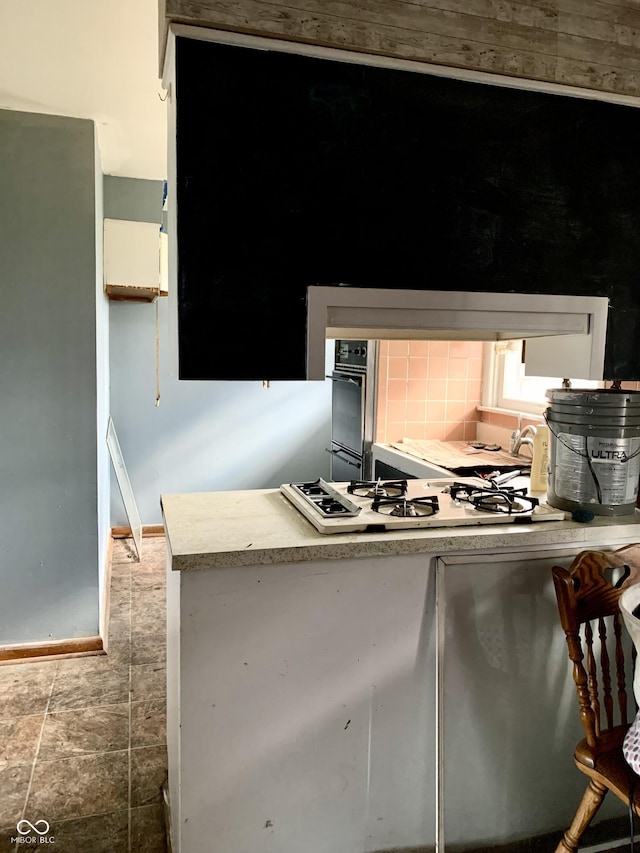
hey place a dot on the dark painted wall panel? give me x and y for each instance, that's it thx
(294, 171)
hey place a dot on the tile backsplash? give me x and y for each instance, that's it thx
(429, 389)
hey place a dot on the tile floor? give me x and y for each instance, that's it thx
(83, 741)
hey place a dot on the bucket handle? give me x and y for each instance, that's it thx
(586, 456)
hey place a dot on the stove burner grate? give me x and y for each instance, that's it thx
(330, 506)
(415, 508)
(506, 499)
(325, 499)
(378, 488)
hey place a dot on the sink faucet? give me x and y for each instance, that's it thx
(523, 436)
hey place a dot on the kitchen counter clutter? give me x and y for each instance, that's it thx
(432, 457)
(458, 454)
(260, 527)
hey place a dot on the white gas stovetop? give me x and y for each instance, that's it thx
(406, 504)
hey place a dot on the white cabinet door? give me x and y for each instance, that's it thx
(307, 698)
(572, 356)
(132, 253)
(508, 714)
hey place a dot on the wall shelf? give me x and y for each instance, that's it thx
(133, 293)
(133, 264)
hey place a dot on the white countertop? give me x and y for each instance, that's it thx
(260, 527)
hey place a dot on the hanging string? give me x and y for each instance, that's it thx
(157, 352)
(165, 191)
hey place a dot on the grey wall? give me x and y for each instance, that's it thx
(135, 199)
(102, 390)
(48, 453)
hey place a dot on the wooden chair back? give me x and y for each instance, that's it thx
(597, 640)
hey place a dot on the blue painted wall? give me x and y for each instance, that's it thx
(49, 543)
(204, 436)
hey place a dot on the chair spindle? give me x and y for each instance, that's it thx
(605, 666)
(620, 673)
(592, 672)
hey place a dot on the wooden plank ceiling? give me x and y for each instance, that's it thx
(586, 43)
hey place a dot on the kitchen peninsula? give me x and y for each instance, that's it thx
(339, 692)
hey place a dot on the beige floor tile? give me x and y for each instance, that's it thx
(148, 681)
(148, 587)
(77, 689)
(154, 554)
(148, 573)
(148, 830)
(77, 787)
(117, 658)
(119, 616)
(148, 648)
(95, 834)
(19, 740)
(25, 689)
(26, 672)
(149, 723)
(148, 617)
(96, 706)
(120, 593)
(7, 845)
(123, 552)
(148, 774)
(14, 784)
(85, 731)
(120, 574)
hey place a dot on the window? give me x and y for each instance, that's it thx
(505, 385)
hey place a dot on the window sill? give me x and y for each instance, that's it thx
(517, 413)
